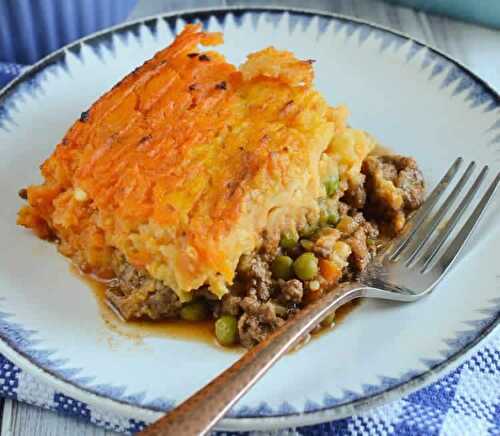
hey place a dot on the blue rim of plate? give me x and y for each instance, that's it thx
(15, 339)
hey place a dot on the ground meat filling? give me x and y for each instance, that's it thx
(360, 253)
(394, 187)
(255, 273)
(137, 295)
(254, 287)
(362, 236)
(356, 194)
(292, 290)
(259, 302)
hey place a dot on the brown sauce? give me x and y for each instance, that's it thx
(342, 312)
(176, 329)
(137, 329)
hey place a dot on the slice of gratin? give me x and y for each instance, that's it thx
(197, 190)
(189, 163)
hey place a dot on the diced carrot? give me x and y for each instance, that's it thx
(329, 270)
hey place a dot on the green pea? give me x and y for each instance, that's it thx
(226, 330)
(333, 217)
(282, 267)
(307, 244)
(194, 311)
(308, 231)
(306, 266)
(289, 240)
(331, 186)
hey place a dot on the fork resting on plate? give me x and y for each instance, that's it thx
(407, 269)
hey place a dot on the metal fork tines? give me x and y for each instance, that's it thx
(427, 232)
(406, 271)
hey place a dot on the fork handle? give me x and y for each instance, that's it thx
(199, 413)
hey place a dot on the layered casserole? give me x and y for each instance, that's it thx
(197, 189)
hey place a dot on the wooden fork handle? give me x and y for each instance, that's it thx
(199, 413)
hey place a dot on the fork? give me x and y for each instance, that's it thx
(406, 270)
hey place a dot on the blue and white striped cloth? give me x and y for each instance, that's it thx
(464, 402)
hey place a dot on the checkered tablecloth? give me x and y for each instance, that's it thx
(464, 402)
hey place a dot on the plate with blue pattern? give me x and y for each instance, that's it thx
(412, 98)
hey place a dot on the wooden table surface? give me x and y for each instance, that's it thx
(477, 47)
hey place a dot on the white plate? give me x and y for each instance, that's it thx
(413, 99)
